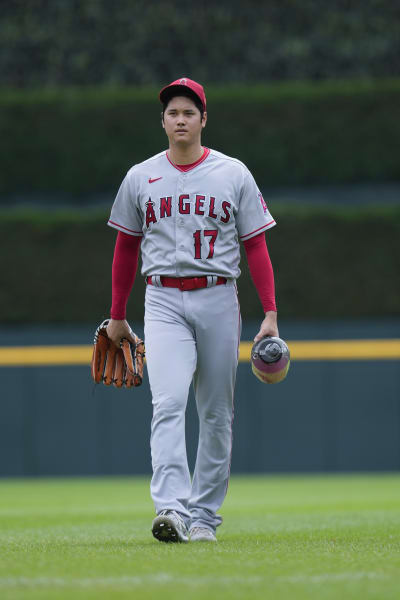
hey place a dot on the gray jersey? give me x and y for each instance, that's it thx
(191, 221)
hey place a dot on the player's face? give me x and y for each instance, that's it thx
(182, 121)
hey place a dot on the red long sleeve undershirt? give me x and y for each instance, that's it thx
(124, 267)
(261, 270)
(126, 255)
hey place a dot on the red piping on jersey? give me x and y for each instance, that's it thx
(261, 270)
(185, 168)
(233, 395)
(259, 229)
(122, 227)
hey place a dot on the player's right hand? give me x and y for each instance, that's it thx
(116, 330)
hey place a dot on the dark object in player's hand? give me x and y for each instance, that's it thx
(121, 366)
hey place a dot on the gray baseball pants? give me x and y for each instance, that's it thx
(189, 336)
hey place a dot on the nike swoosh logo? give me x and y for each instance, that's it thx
(153, 180)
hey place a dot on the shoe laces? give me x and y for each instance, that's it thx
(175, 514)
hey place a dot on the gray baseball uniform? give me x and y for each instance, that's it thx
(191, 223)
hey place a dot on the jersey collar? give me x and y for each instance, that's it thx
(185, 168)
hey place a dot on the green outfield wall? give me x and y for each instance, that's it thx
(340, 414)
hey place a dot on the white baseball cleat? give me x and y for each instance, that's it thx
(202, 534)
(169, 526)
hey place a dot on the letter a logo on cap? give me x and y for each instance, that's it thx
(196, 88)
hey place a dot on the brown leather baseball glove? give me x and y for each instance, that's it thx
(118, 366)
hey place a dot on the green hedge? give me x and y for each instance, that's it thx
(75, 141)
(328, 263)
(124, 42)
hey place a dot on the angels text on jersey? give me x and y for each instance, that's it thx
(191, 221)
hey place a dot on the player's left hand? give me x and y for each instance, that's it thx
(269, 326)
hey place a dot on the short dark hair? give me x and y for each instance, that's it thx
(182, 92)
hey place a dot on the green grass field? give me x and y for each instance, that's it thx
(291, 537)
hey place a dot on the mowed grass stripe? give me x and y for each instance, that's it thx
(298, 537)
(162, 579)
(378, 349)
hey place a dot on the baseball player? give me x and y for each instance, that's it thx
(186, 210)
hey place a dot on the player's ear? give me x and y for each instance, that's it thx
(162, 120)
(204, 119)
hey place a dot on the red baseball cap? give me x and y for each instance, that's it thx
(184, 82)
